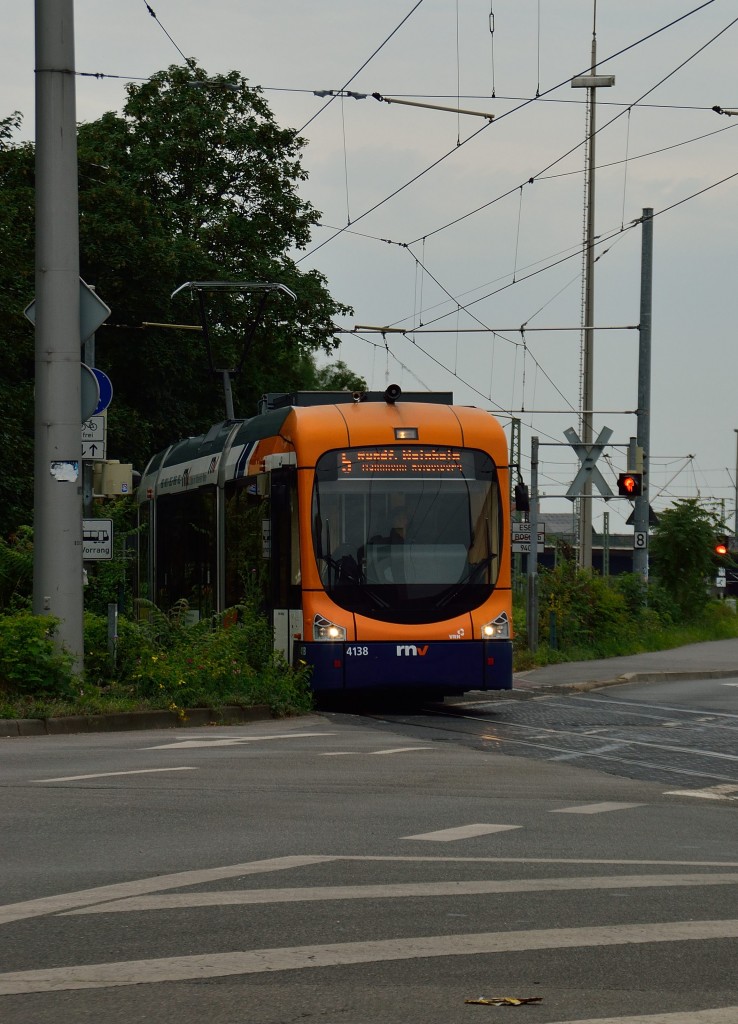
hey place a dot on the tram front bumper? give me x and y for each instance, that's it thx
(450, 667)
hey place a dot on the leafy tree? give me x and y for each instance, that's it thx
(681, 554)
(16, 341)
(193, 181)
(336, 377)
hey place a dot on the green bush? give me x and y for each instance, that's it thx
(161, 662)
(590, 613)
(16, 569)
(30, 662)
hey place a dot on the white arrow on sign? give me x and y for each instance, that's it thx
(93, 449)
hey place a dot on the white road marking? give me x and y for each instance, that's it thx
(107, 775)
(259, 961)
(83, 897)
(86, 897)
(399, 750)
(447, 835)
(595, 808)
(401, 890)
(574, 754)
(722, 792)
(729, 684)
(374, 753)
(720, 1015)
(232, 741)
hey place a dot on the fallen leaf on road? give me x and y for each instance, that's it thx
(504, 1000)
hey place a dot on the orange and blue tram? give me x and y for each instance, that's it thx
(373, 528)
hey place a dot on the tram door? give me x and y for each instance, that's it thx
(282, 549)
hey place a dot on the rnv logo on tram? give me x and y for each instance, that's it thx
(412, 650)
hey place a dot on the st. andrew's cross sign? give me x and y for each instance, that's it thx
(588, 455)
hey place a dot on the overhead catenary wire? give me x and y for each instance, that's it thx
(546, 177)
(579, 144)
(152, 12)
(598, 241)
(367, 61)
(474, 135)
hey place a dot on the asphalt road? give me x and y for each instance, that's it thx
(339, 868)
(682, 734)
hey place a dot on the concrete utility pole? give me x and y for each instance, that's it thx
(643, 430)
(57, 571)
(591, 83)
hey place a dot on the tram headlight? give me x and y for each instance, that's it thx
(324, 629)
(497, 629)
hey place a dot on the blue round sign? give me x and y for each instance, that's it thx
(106, 391)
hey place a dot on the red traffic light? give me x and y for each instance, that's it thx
(722, 546)
(630, 485)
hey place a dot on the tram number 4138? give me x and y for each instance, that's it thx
(358, 651)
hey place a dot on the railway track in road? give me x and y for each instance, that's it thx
(661, 743)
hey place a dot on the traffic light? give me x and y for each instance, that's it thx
(522, 498)
(630, 485)
(722, 545)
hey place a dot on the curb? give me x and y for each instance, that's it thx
(533, 689)
(133, 720)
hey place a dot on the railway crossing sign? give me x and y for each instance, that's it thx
(588, 456)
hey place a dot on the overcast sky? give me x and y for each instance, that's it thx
(403, 262)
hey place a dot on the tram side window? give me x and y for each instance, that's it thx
(246, 540)
(185, 552)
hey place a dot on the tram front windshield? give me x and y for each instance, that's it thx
(407, 533)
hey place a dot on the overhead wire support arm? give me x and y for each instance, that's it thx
(431, 106)
(471, 330)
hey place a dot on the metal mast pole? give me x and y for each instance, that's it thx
(643, 429)
(585, 506)
(591, 83)
(57, 572)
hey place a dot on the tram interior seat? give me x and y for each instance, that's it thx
(415, 563)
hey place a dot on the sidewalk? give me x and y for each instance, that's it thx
(713, 660)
